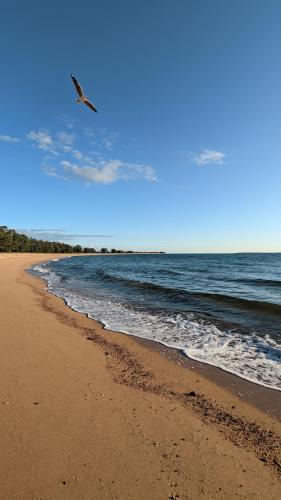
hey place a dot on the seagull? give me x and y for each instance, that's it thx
(82, 97)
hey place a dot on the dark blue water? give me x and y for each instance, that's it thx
(224, 310)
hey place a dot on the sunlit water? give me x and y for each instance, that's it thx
(224, 310)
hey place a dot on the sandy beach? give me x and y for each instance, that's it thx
(91, 414)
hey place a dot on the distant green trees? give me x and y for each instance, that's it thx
(11, 241)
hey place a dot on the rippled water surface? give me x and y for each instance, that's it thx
(224, 310)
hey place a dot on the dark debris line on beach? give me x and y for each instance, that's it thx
(130, 371)
(241, 432)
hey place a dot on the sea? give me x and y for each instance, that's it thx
(220, 309)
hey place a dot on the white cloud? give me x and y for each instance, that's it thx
(65, 138)
(107, 172)
(90, 166)
(104, 174)
(209, 156)
(8, 138)
(43, 140)
(78, 155)
(68, 122)
(109, 140)
(139, 170)
(101, 137)
(67, 149)
(51, 172)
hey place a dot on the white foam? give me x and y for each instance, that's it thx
(249, 356)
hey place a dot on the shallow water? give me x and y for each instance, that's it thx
(220, 309)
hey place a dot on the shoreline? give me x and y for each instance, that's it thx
(86, 411)
(264, 398)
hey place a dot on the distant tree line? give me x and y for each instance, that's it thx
(113, 250)
(11, 241)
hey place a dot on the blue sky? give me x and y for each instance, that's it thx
(184, 153)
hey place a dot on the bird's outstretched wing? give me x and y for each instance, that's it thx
(90, 105)
(77, 86)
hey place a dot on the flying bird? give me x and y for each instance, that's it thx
(82, 97)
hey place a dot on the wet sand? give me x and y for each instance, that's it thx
(263, 398)
(87, 413)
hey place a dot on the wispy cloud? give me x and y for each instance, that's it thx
(107, 172)
(78, 155)
(68, 121)
(109, 140)
(65, 138)
(90, 166)
(8, 138)
(82, 157)
(51, 172)
(59, 235)
(61, 143)
(101, 137)
(209, 156)
(42, 140)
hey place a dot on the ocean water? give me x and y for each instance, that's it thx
(220, 309)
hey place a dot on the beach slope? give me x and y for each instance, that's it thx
(91, 414)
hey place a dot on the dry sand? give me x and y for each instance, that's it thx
(92, 414)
